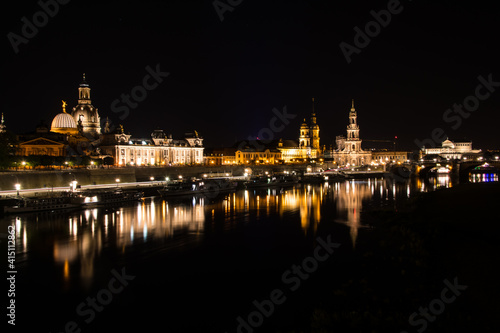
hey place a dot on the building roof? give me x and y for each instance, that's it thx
(63, 122)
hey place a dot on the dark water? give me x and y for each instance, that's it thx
(186, 264)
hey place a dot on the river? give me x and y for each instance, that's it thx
(171, 261)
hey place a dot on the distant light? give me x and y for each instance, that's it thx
(117, 180)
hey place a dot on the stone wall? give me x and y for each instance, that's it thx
(61, 178)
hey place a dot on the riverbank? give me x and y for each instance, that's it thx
(63, 177)
(399, 267)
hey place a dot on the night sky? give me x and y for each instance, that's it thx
(227, 76)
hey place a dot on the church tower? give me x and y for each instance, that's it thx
(304, 138)
(352, 143)
(314, 130)
(85, 113)
(3, 128)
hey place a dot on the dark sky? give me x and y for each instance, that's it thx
(227, 76)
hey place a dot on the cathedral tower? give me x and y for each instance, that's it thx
(314, 129)
(84, 113)
(304, 138)
(353, 142)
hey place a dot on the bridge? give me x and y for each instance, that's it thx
(462, 168)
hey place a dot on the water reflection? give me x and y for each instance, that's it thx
(72, 242)
(483, 177)
(349, 197)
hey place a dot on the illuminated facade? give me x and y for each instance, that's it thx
(389, 157)
(259, 153)
(159, 150)
(349, 151)
(60, 139)
(308, 146)
(451, 150)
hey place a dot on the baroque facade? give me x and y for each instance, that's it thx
(451, 150)
(349, 151)
(80, 133)
(308, 146)
(160, 150)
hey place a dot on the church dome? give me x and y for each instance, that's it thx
(85, 112)
(64, 123)
(447, 144)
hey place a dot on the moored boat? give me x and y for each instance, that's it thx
(60, 201)
(180, 188)
(271, 181)
(103, 197)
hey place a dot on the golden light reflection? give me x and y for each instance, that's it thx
(66, 270)
(349, 197)
(78, 238)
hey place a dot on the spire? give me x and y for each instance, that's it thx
(107, 126)
(352, 106)
(2, 125)
(84, 82)
(313, 114)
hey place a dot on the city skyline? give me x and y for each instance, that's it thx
(226, 77)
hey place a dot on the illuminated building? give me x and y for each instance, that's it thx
(63, 136)
(349, 151)
(85, 114)
(451, 150)
(220, 156)
(308, 146)
(257, 152)
(159, 150)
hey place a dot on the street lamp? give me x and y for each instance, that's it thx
(18, 187)
(73, 185)
(117, 180)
